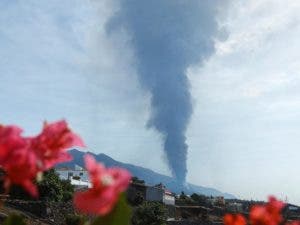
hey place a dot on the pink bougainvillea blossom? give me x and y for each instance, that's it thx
(51, 145)
(234, 219)
(269, 214)
(21, 169)
(23, 158)
(107, 184)
(10, 140)
(16, 159)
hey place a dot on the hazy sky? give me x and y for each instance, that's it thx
(56, 61)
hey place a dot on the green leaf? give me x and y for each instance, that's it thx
(74, 219)
(14, 219)
(120, 215)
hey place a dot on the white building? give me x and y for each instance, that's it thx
(160, 194)
(77, 176)
(80, 184)
(235, 207)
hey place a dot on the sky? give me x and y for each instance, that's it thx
(57, 61)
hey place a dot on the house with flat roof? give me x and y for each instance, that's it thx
(161, 194)
(77, 176)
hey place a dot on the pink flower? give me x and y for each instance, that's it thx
(23, 158)
(10, 139)
(21, 169)
(16, 159)
(52, 144)
(269, 214)
(237, 219)
(107, 184)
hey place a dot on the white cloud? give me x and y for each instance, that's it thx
(244, 135)
(57, 62)
(252, 23)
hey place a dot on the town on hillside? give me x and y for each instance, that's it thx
(151, 204)
(193, 209)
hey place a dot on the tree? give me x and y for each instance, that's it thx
(150, 213)
(138, 199)
(200, 199)
(68, 190)
(136, 180)
(183, 195)
(51, 189)
(184, 200)
(74, 219)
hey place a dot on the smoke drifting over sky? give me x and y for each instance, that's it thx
(168, 36)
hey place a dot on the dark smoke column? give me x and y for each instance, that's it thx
(168, 36)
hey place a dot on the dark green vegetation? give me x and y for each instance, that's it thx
(200, 199)
(14, 220)
(51, 189)
(150, 213)
(136, 180)
(194, 199)
(73, 219)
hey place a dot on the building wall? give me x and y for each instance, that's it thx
(135, 190)
(169, 199)
(235, 207)
(67, 174)
(154, 194)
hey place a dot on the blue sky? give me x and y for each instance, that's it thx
(56, 61)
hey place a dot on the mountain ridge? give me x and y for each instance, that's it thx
(148, 175)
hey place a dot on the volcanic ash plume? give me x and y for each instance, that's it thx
(168, 36)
